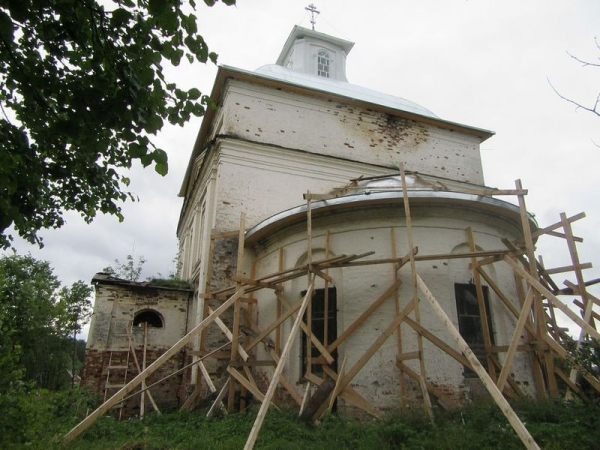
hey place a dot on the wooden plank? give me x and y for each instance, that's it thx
(254, 363)
(235, 333)
(557, 225)
(278, 370)
(291, 310)
(588, 303)
(536, 366)
(225, 234)
(336, 389)
(595, 315)
(408, 355)
(366, 313)
(308, 330)
(555, 346)
(313, 269)
(553, 299)
(135, 382)
(413, 276)
(391, 328)
(249, 386)
(310, 336)
(253, 282)
(219, 400)
(307, 394)
(572, 289)
(504, 406)
(438, 342)
(229, 336)
(395, 269)
(563, 269)
(137, 366)
(284, 382)
(280, 264)
(443, 400)
(573, 386)
(348, 394)
(483, 312)
(516, 338)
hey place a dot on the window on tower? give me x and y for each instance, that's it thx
(323, 64)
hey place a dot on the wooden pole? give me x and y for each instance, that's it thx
(279, 369)
(336, 389)
(308, 330)
(143, 396)
(506, 409)
(399, 331)
(413, 273)
(516, 338)
(538, 309)
(483, 311)
(137, 366)
(236, 310)
(218, 403)
(582, 291)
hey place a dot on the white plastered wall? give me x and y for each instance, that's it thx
(358, 287)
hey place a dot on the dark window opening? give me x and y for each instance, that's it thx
(469, 321)
(324, 328)
(152, 318)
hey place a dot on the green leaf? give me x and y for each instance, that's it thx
(121, 16)
(194, 94)
(162, 169)
(160, 156)
(157, 7)
(136, 150)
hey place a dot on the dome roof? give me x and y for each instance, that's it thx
(342, 88)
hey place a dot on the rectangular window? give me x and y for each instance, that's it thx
(469, 321)
(324, 327)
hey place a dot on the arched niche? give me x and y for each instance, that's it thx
(153, 318)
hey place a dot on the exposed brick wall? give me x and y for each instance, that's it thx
(166, 394)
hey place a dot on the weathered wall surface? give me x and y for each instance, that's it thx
(263, 181)
(108, 346)
(435, 231)
(358, 134)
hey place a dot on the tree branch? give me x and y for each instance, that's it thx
(593, 110)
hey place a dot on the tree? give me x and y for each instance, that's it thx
(129, 270)
(37, 319)
(82, 89)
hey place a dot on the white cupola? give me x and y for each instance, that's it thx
(315, 53)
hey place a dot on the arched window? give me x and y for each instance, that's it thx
(149, 316)
(323, 64)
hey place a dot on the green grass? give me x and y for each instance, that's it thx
(553, 424)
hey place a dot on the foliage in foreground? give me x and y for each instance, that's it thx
(82, 91)
(554, 425)
(39, 320)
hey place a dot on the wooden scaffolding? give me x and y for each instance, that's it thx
(537, 332)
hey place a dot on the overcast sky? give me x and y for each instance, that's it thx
(485, 63)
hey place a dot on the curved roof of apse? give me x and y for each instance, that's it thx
(369, 199)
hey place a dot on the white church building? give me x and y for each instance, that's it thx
(339, 249)
(298, 127)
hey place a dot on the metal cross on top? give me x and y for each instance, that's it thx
(313, 9)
